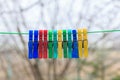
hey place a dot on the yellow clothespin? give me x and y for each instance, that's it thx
(85, 41)
(60, 52)
(80, 42)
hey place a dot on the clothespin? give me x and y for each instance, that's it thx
(35, 51)
(69, 44)
(65, 44)
(40, 43)
(80, 42)
(30, 45)
(85, 41)
(75, 45)
(45, 44)
(55, 43)
(50, 44)
(60, 54)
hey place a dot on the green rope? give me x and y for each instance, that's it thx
(89, 32)
(103, 31)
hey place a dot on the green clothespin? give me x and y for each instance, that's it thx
(69, 44)
(65, 44)
(55, 44)
(50, 48)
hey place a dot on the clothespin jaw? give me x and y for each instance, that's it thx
(69, 43)
(50, 44)
(80, 42)
(85, 41)
(55, 44)
(45, 44)
(75, 45)
(65, 43)
(60, 54)
(35, 51)
(40, 44)
(30, 45)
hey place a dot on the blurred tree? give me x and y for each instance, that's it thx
(116, 78)
(21, 15)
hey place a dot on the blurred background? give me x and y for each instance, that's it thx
(103, 62)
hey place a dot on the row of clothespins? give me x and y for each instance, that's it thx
(58, 44)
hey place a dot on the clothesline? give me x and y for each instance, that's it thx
(89, 32)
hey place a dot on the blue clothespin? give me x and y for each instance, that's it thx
(75, 45)
(30, 45)
(35, 51)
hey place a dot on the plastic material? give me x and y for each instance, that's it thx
(80, 42)
(30, 45)
(65, 44)
(75, 45)
(85, 39)
(55, 44)
(60, 53)
(69, 43)
(45, 44)
(35, 51)
(50, 44)
(40, 44)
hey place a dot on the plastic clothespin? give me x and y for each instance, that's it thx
(30, 45)
(69, 43)
(65, 44)
(75, 45)
(40, 43)
(50, 44)
(85, 41)
(55, 43)
(35, 51)
(45, 44)
(80, 42)
(60, 54)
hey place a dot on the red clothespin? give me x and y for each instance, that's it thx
(45, 44)
(40, 43)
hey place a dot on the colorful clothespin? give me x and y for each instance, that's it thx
(60, 54)
(65, 43)
(75, 45)
(85, 41)
(50, 44)
(45, 44)
(55, 44)
(69, 43)
(35, 51)
(30, 45)
(40, 49)
(80, 42)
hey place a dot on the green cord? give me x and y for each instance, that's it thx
(103, 31)
(89, 32)
(13, 33)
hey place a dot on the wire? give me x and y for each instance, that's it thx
(89, 32)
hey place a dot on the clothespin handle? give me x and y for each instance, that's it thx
(60, 54)
(40, 44)
(30, 45)
(69, 43)
(45, 44)
(55, 44)
(65, 43)
(35, 51)
(85, 39)
(75, 45)
(80, 42)
(50, 44)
